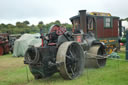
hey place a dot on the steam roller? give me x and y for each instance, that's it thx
(65, 52)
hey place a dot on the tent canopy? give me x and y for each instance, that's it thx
(21, 44)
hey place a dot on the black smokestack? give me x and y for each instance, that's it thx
(120, 28)
(83, 24)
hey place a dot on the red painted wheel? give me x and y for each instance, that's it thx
(1, 50)
(6, 49)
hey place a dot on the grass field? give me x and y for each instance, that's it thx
(13, 72)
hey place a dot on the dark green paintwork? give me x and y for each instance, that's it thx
(111, 20)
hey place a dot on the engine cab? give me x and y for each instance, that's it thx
(103, 25)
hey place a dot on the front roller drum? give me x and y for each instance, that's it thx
(95, 57)
(70, 57)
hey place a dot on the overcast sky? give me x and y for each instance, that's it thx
(51, 10)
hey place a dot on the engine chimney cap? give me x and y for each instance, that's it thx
(82, 10)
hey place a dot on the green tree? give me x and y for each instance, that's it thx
(10, 26)
(26, 22)
(19, 24)
(3, 26)
(40, 24)
(68, 26)
(57, 22)
(125, 19)
(24, 27)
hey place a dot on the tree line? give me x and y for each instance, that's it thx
(25, 27)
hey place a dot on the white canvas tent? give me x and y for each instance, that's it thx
(21, 44)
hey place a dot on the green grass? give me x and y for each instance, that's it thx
(13, 72)
(122, 53)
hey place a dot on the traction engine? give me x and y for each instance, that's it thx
(65, 52)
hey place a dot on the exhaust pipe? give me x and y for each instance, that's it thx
(120, 28)
(83, 25)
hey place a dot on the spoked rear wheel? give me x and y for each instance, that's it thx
(70, 57)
